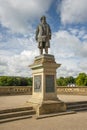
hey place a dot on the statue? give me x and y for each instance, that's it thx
(43, 35)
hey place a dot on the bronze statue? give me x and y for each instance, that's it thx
(43, 35)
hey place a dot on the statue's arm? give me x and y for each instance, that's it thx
(37, 31)
(49, 32)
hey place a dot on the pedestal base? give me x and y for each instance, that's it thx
(51, 107)
(48, 107)
(44, 95)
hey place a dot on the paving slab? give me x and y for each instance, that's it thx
(76, 121)
(20, 100)
(67, 122)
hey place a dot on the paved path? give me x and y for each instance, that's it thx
(20, 100)
(76, 121)
(72, 98)
(66, 122)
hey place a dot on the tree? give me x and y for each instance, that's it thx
(81, 80)
(3, 81)
(29, 80)
(9, 81)
(65, 81)
(70, 80)
(15, 81)
(85, 82)
(25, 81)
(61, 81)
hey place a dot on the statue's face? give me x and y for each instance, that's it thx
(43, 20)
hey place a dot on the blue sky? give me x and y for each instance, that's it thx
(18, 22)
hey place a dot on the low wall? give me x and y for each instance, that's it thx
(15, 90)
(72, 90)
(19, 90)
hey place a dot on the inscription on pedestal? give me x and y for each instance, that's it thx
(50, 83)
(37, 83)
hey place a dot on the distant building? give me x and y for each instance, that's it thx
(71, 85)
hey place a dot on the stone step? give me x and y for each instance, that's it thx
(80, 102)
(79, 109)
(16, 114)
(15, 118)
(55, 114)
(15, 109)
(77, 106)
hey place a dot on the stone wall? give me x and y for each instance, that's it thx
(19, 90)
(15, 90)
(72, 90)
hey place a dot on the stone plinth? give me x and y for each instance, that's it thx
(44, 94)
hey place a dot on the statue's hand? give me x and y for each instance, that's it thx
(49, 36)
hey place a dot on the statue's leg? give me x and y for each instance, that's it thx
(46, 50)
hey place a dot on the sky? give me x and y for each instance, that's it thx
(18, 22)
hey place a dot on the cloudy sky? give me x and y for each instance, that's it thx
(18, 22)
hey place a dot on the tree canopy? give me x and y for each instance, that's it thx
(65, 81)
(15, 81)
(80, 80)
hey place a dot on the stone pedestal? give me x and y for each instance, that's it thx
(44, 95)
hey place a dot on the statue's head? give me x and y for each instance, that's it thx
(43, 19)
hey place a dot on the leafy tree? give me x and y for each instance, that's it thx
(9, 81)
(85, 82)
(81, 80)
(61, 81)
(70, 80)
(3, 81)
(29, 81)
(65, 81)
(15, 81)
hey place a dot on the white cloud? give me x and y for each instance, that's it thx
(73, 11)
(73, 31)
(84, 49)
(83, 65)
(63, 71)
(65, 44)
(85, 37)
(77, 32)
(70, 52)
(17, 65)
(16, 54)
(18, 14)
